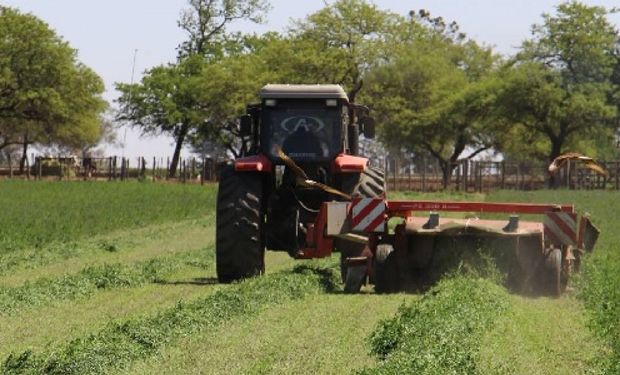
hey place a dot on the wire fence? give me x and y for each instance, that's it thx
(425, 176)
(112, 168)
(482, 176)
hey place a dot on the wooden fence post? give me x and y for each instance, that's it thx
(617, 174)
(204, 171)
(10, 165)
(465, 173)
(423, 174)
(409, 176)
(394, 175)
(114, 168)
(27, 168)
(480, 181)
(40, 166)
(503, 175)
(61, 172)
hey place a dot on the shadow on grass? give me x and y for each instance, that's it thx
(194, 281)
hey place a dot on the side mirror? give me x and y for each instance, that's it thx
(368, 127)
(245, 125)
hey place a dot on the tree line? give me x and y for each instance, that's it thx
(434, 91)
(47, 96)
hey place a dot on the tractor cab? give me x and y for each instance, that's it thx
(307, 122)
(310, 123)
(304, 152)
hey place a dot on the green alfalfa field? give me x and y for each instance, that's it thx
(120, 278)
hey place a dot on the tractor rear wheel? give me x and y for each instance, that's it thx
(386, 270)
(552, 276)
(368, 184)
(239, 240)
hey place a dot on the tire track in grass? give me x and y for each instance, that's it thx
(123, 247)
(46, 328)
(122, 342)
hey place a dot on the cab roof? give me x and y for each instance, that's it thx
(303, 92)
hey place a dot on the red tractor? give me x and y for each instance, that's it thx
(261, 201)
(305, 190)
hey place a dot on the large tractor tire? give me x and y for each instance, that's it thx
(368, 184)
(552, 276)
(239, 240)
(386, 270)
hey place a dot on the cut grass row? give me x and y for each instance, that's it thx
(35, 214)
(440, 333)
(124, 246)
(49, 327)
(122, 342)
(85, 283)
(542, 336)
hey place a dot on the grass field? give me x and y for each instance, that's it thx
(120, 278)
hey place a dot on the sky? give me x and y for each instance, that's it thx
(109, 34)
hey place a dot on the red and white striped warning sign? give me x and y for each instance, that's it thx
(561, 228)
(368, 214)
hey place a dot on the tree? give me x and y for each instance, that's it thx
(205, 22)
(166, 101)
(240, 77)
(107, 136)
(178, 99)
(345, 40)
(46, 95)
(436, 96)
(558, 86)
(546, 115)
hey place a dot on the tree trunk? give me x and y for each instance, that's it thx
(177, 150)
(446, 172)
(22, 162)
(556, 150)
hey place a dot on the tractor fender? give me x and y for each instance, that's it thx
(254, 163)
(344, 163)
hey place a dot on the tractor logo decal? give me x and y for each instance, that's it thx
(308, 123)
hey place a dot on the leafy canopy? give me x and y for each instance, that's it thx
(558, 91)
(46, 95)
